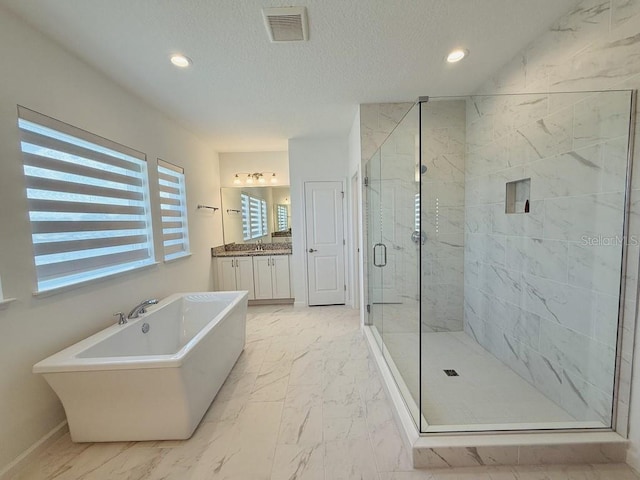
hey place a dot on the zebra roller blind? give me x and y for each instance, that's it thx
(254, 217)
(88, 203)
(173, 203)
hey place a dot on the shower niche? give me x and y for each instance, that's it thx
(517, 196)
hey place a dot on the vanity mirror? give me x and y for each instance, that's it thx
(252, 214)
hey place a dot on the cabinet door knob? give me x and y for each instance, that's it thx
(311, 250)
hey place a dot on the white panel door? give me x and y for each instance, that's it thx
(280, 276)
(262, 277)
(244, 275)
(325, 243)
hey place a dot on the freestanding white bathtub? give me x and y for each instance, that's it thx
(122, 384)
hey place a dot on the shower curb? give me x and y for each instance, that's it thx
(501, 448)
(544, 448)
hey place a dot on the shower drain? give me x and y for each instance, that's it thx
(451, 373)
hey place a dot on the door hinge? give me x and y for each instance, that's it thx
(366, 181)
(342, 195)
(344, 242)
(345, 288)
(368, 308)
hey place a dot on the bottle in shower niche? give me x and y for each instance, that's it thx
(526, 206)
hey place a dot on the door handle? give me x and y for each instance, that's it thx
(311, 250)
(375, 258)
(385, 255)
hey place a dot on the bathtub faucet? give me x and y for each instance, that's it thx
(138, 309)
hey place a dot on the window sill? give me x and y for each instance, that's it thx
(66, 288)
(171, 260)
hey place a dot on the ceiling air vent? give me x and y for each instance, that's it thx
(286, 24)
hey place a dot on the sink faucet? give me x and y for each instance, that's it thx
(138, 309)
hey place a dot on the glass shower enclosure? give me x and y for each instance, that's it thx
(495, 248)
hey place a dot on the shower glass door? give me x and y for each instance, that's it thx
(393, 253)
(374, 247)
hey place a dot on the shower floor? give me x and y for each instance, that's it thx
(485, 395)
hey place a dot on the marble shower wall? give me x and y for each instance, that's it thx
(596, 46)
(398, 189)
(541, 288)
(443, 194)
(377, 121)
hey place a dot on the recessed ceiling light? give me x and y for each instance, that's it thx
(180, 60)
(456, 55)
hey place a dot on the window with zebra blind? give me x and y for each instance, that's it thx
(88, 203)
(173, 204)
(254, 217)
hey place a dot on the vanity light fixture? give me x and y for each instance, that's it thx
(255, 177)
(180, 60)
(457, 55)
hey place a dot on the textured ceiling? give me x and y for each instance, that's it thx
(247, 94)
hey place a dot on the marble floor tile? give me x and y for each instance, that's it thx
(388, 448)
(272, 381)
(299, 463)
(252, 444)
(350, 459)
(341, 428)
(303, 402)
(302, 416)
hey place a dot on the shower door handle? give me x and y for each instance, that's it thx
(375, 258)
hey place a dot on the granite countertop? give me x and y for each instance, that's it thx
(251, 253)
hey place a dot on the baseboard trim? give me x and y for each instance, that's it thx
(273, 301)
(34, 450)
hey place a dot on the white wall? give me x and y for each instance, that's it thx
(250, 162)
(311, 159)
(40, 75)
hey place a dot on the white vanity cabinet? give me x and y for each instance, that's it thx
(271, 277)
(235, 273)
